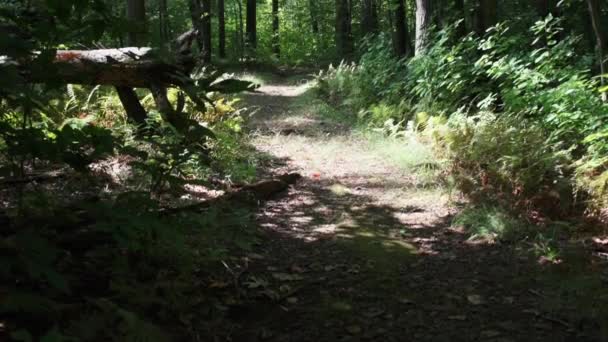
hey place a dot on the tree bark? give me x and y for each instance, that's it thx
(200, 12)
(250, 194)
(401, 42)
(487, 15)
(423, 23)
(240, 31)
(314, 22)
(276, 42)
(595, 14)
(344, 37)
(251, 25)
(195, 15)
(542, 7)
(136, 13)
(130, 102)
(206, 32)
(221, 19)
(163, 21)
(369, 17)
(124, 67)
(459, 7)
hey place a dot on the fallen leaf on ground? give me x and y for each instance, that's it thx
(405, 301)
(475, 299)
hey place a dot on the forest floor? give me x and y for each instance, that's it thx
(362, 250)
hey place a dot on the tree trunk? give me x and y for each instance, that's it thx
(251, 25)
(124, 67)
(240, 31)
(206, 31)
(461, 30)
(195, 15)
(542, 7)
(423, 23)
(163, 21)
(276, 42)
(595, 14)
(401, 42)
(130, 102)
(487, 15)
(546, 7)
(344, 36)
(369, 17)
(314, 22)
(221, 19)
(200, 13)
(136, 13)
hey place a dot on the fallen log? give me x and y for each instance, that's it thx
(123, 68)
(248, 194)
(133, 67)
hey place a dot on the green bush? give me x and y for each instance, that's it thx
(525, 120)
(492, 223)
(492, 154)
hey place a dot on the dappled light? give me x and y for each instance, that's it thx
(294, 171)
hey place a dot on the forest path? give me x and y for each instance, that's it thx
(358, 251)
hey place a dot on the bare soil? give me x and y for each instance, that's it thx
(357, 252)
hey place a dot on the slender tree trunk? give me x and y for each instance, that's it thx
(461, 31)
(240, 33)
(369, 17)
(423, 23)
(546, 7)
(163, 21)
(276, 41)
(314, 22)
(401, 41)
(595, 14)
(221, 19)
(196, 13)
(344, 37)
(542, 7)
(136, 12)
(200, 11)
(487, 15)
(206, 31)
(251, 25)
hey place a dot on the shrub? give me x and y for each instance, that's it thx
(492, 156)
(492, 223)
(509, 100)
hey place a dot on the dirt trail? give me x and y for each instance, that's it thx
(357, 252)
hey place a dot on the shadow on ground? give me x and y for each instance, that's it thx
(343, 269)
(337, 263)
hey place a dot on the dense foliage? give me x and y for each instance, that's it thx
(510, 97)
(524, 123)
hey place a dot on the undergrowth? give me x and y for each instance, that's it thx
(97, 257)
(518, 127)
